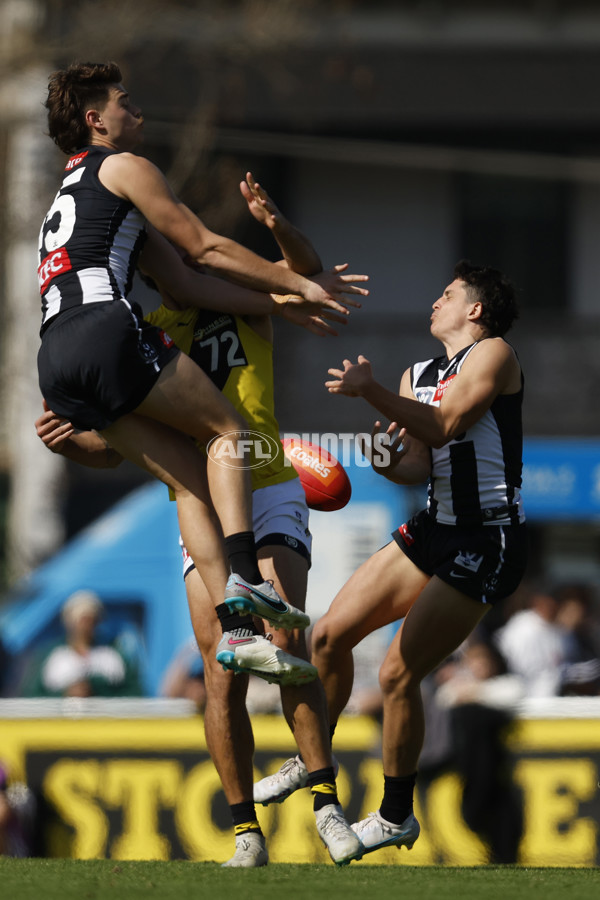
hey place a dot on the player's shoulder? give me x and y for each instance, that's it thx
(494, 348)
(498, 358)
(127, 160)
(126, 174)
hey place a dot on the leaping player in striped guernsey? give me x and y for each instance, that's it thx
(102, 367)
(457, 422)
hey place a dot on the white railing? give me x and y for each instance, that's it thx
(161, 708)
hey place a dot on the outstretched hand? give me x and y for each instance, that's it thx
(337, 284)
(385, 448)
(259, 203)
(308, 314)
(352, 380)
(328, 289)
(327, 300)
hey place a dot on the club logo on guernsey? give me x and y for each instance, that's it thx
(469, 561)
(148, 353)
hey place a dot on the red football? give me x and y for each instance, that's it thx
(324, 479)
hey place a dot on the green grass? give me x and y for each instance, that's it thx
(46, 879)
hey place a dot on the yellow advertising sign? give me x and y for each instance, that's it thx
(147, 789)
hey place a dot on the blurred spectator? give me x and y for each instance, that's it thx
(480, 677)
(79, 666)
(553, 644)
(577, 619)
(17, 816)
(480, 696)
(534, 646)
(185, 675)
(184, 678)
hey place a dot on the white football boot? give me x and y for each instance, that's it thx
(254, 654)
(376, 832)
(339, 838)
(292, 776)
(250, 851)
(262, 600)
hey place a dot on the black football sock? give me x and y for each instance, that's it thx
(241, 553)
(234, 622)
(322, 785)
(397, 803)
(244, 817)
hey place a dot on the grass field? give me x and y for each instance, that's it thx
(44, 879)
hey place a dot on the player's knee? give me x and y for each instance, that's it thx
(230, 423)
(396, 679)
(326, 641)
(223, 686)
(226, 690)
(319, 638)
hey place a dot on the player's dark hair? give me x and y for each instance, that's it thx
(71, 92)
(496, 294)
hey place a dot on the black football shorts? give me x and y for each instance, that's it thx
(98, 362)
(486, 562)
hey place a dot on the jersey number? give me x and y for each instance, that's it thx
(233, 359)
(59, 224)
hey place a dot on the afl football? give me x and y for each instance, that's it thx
(324, 479)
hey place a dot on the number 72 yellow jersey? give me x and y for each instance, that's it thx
(239, 361)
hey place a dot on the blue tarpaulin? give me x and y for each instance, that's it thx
(130, 557)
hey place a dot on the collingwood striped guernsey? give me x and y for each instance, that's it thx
(85, 225)
(475, 477)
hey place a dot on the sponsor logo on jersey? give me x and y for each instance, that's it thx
(56, 263)
(75, 160)
(166, 339)
(291, 541)
(202, 331)
(442, 388)
(406, 535)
